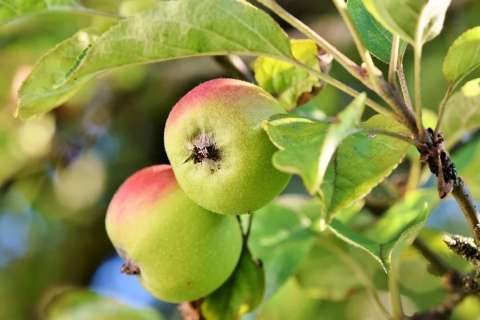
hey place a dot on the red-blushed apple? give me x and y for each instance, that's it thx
(180, 251)
(220, 154)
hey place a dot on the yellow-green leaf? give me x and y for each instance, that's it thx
(395, 230)
(463, 56)
(286, 81)
(462, 112)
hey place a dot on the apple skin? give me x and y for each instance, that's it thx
(181, 251)
(238, 175)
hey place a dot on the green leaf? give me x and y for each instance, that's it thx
(280, 237)
(230, 27)
(468, 166)
(462, 112)
(415, 21)
(357, 240)
(241, 294)
(132, 7)
(12, 9)
(292, 303)
(463, 56)
(397, 229)
(286, 81)
(376, 38)
(306, 146)
(324, 274)
(86, 305)
(300, 141)
(361, 162)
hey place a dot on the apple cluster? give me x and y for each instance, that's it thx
(174, 225)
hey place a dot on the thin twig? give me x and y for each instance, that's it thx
(397, 135)
(442, 311)
(442, 107)
(395, 298)
(394, 55)
(249, 226)
(386, 92)
(418, 89)
(346, 89)
(402, 113)
(440, 266)
(363, 52)
(391, 95)
(461, 286)
(464, 247)
(344, 61)
(403, 85)
(468, 206)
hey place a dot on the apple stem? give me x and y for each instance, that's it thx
(249, 225)
(245, 230)
(130, 268)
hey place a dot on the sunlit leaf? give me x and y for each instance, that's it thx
(241, 294)
(463, 56)
(285, 81)
(361, 162)
(306, 146)
(462, 112)
(397, 229)
(415, 21)
(230, 27)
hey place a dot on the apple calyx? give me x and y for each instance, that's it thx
(130, 268)
(204, 150)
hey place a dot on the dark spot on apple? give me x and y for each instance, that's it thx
(204, 150)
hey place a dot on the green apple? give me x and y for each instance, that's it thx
(180, 251)
(220, 154)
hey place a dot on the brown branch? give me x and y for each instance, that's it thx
(467, 204)
(394, 97)
(442, 311)
(461, 287)
(433, 152)
(437, 265)
(464, 247)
